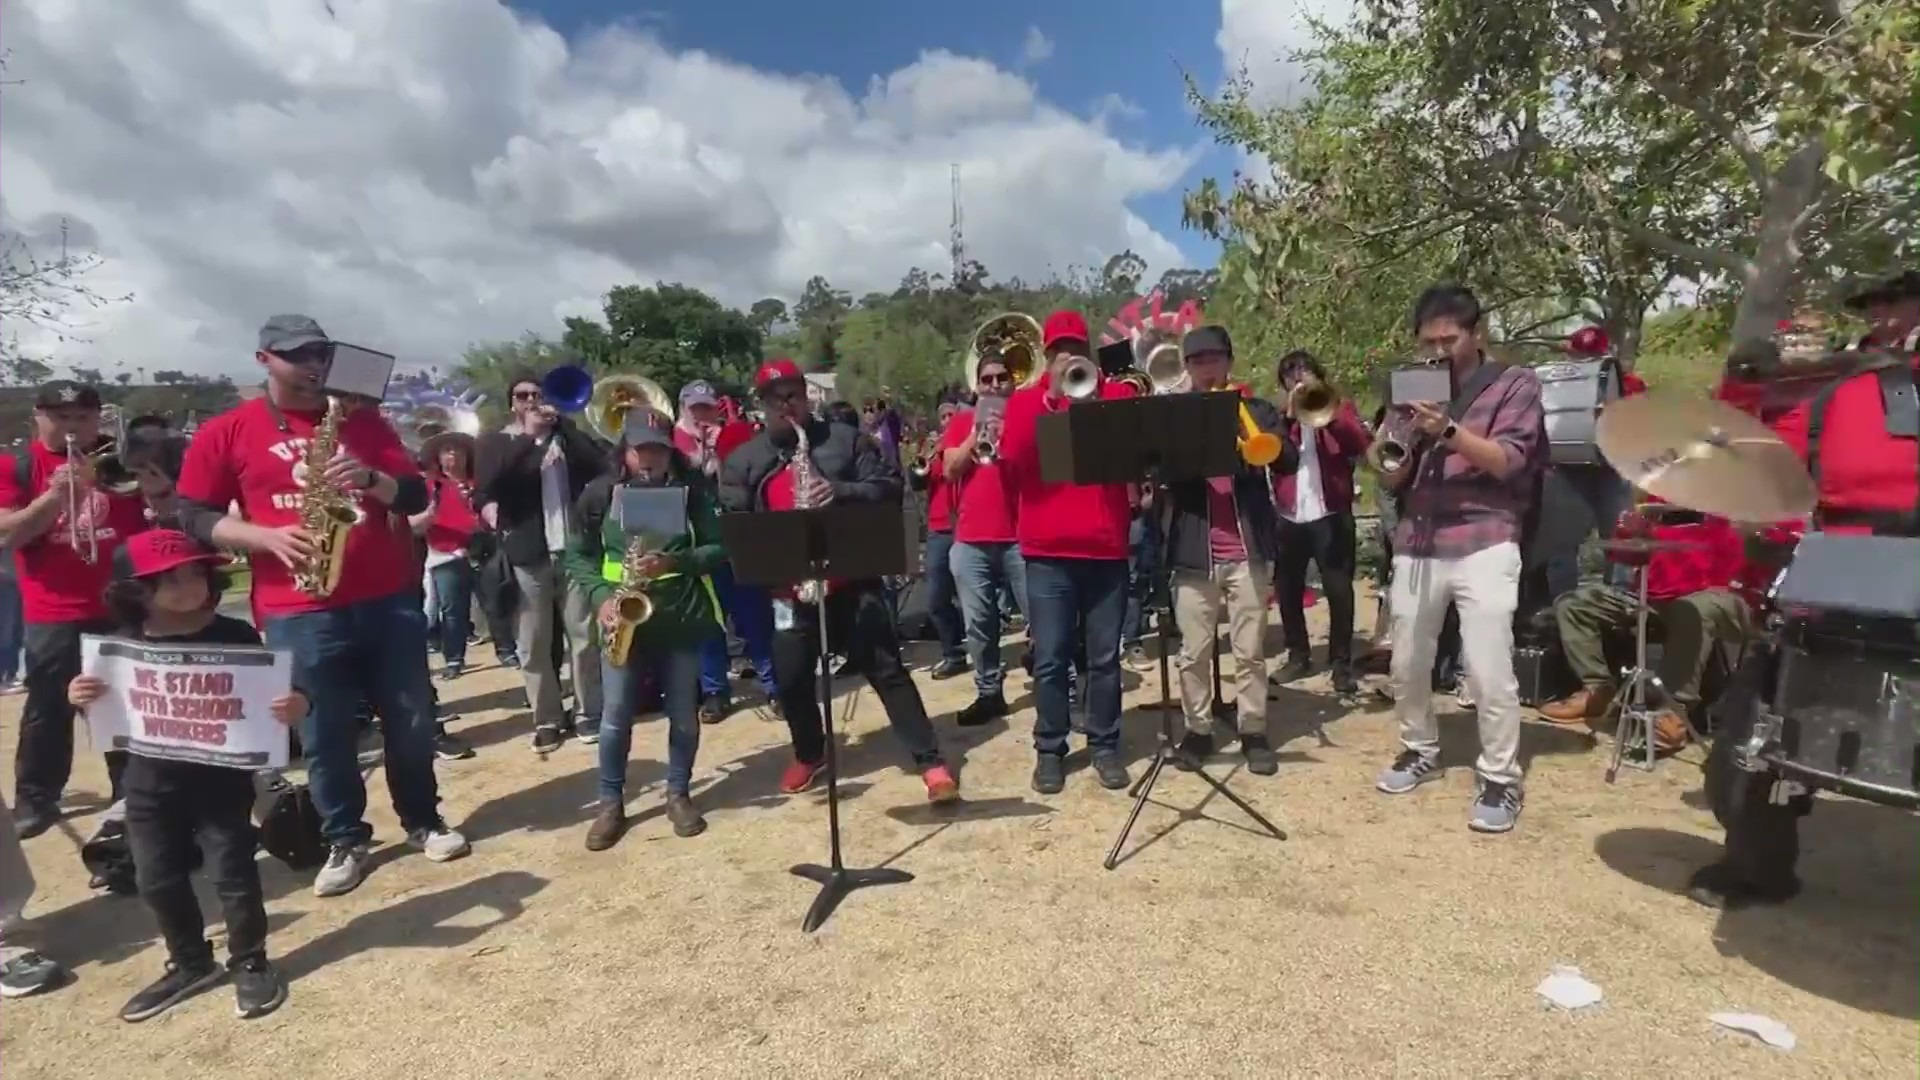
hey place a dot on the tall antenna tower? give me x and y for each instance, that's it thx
(955, 243)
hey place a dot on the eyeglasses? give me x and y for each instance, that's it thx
(526, 395)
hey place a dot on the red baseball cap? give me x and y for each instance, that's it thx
(774, 371)
(1063, 326)
(157, 551)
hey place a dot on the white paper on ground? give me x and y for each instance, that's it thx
(1766, 1028)
(1569, 989)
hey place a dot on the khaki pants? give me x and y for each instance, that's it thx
(1689, 629)
(1197, 598)
(1485, 587)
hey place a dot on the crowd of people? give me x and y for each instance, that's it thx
(529, 519)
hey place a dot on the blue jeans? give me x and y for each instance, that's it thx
(677, 673)
(1071, 600)
(941, 594)
(373, 651)
(13, 629)
(987, 574)
(752, 614)
(1143, 561)
(453, 599)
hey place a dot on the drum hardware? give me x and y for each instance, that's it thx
(1705, 455)
(1634, 703)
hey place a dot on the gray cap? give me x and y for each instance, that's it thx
(285, 333)
(646, 427)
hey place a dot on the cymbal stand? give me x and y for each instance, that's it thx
(1632, 705)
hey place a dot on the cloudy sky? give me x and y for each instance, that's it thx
(423, 174)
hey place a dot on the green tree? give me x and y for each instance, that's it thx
(766, 314)
(671, 333)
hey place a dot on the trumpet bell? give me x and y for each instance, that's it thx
(1080, 379)
(1313, 403)
(1016, 338)
(612, 397)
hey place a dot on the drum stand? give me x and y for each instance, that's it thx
(1632, 705)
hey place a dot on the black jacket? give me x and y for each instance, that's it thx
(507, 474)
(843, 456)
(1186, 511)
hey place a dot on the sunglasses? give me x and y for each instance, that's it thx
(526, 395)
(996, 380)
(307, 354)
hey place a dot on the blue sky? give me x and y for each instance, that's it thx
(1130, 48)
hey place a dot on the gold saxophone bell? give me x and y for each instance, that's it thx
(1313, 403)
(1015, 337)
(631, 604)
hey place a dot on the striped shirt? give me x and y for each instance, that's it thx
(1449, 508)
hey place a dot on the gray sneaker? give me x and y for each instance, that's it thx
(1497, 808)
(345, 869)
(26, 972)
(440, 843)
(1407, 772)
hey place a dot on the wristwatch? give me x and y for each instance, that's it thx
(370, 480)
(1447, 433)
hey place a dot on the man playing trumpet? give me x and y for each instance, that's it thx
(985, 560)
(1222, 540)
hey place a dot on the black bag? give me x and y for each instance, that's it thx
(290, 826)
(109, 860)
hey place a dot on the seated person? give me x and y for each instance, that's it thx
(1694, 610)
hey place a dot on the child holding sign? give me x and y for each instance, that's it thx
(165, 592)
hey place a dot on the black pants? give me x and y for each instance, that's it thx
(44, 760)
(860, 627)
(1328, 542)
(1763, 836)
(171, 806)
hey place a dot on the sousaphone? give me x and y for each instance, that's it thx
(1016, 337)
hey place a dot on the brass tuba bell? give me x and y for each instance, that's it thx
(1156, 354)
(614, 395)
(1016, 337)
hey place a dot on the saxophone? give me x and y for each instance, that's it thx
(808, 592)
(327, 514)
(632, 605)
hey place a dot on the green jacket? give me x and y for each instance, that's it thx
(685, 608)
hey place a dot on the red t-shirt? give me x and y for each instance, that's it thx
(453, 522)
(1062, 521)
(987, 511)
(1224, 542)
(245, 455)
(779, 492)
(56, 583)
(942, 497)
(1862, 466)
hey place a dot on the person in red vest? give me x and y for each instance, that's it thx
(840, 465)
(1073, 539)
(1695, 610)
(63, 529)
(364, 640)
(1860, 437)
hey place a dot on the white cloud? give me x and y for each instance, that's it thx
(1036, 47)
(426, 174)
(1263, 35)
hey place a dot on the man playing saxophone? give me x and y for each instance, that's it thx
(606, 561)
(366, 638)
(801, 461)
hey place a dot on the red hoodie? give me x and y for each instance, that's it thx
(1060, 521)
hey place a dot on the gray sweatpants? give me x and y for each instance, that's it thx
(541, 591)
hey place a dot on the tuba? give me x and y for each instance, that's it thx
(606, 404)
(427, 421)
(1312, 402)
(1016, 337)
(1156, 355)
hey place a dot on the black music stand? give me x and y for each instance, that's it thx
(1158, 440)
(855, 541)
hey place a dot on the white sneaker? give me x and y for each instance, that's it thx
(345, 869)
(439, 843)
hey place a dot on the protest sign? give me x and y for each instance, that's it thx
(206, 703)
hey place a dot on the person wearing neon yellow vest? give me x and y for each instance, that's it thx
(668, 644)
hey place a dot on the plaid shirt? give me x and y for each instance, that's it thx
(1449, 509)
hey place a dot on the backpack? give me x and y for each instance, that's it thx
(290, 826)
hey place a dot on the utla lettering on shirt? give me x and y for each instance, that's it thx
(294, 452)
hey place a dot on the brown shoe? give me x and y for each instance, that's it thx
(1583, 705)
(686, 819)
(608, 827)
(1669, 732)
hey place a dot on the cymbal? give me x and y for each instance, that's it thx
(1704, 455)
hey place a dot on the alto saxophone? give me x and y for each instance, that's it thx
(808, 592)
(327, 513)
(632, 605)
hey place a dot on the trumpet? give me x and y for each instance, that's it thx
(1388, 454)
(1257, 448)
(1080, 379)
(1312, 402)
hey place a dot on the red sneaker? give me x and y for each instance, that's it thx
(800, 776)
(941, 784)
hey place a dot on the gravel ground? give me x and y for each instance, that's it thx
(1381, 939)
